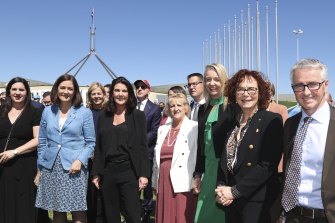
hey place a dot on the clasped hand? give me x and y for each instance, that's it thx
(224, 195)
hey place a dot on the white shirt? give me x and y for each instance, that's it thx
(313, 149)
(143, 103)
(195, 105)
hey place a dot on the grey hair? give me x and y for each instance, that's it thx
(312, 64)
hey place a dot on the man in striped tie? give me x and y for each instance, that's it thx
(309, 148)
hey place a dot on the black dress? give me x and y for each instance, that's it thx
(17, 189)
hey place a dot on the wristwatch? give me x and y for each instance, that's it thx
(15, 152)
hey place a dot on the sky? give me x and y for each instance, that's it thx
(161, 41)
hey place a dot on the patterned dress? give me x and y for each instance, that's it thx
(60, 191)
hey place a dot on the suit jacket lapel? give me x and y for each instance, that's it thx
(180, 140)
(292, 128)
(146, 109)
(329, 155)
(71, 117)
(255, 123)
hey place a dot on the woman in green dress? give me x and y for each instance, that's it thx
(214, 119)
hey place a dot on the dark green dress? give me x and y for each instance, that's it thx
(208, 211)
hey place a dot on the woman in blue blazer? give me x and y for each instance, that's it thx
(66, 142)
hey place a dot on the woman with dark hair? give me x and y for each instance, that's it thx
(247, 178)
(66, 142)
(121, 164)
(19, 123)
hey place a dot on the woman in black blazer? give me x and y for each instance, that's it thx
(247, 177)
(121, 164)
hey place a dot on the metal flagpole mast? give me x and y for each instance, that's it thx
(203, 54)
(258, 37)
(239, 48)
(224, 45)
(276, 25)
(83, 61)
(298, 32)
(234, 34)
(210, 49)
(267, 42)
(229, 70)
(215, 48)
(242, 40)
(252, 43)
(249, 39)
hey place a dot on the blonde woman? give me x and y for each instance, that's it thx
(214, 124)
(96, 101)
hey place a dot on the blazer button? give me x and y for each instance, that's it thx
(257, 130)
(248, 164)
(185, 141)
(251, 146)
(59, 146)
(182, 154)
(179, 166)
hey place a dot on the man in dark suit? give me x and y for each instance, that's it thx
(195, 88)
(309, 148)
(153, 118)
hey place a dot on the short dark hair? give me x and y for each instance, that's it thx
(132, 101)
(76, 100)
(263, 87)
(177, 89)
(195, 75)
(8, 102)
(45, 94)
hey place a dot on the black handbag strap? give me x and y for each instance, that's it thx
(10, 131)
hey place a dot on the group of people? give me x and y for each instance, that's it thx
(231, 155)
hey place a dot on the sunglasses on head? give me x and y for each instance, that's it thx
(142, 86)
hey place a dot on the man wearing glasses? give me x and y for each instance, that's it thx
(309, 148)
(153, 117)
(196, 90)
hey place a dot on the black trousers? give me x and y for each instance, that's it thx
(147, 193)
(292, 218)
(120, 189)
(243, 211)
(95, 211)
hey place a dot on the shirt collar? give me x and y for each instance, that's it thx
(321, 115)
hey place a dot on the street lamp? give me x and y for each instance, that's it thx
(297, 33)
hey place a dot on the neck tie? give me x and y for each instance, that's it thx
(195, 112)
(139, 105)
(290, 193)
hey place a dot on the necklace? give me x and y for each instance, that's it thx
(174, 137)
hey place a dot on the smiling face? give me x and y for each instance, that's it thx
(247, 94)
(65, 91)
(120, 94)
(213, 84)
(177, 109)
(18, 93)
(310, 100)
(97, 97)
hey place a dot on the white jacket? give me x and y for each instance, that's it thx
(184, 156)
